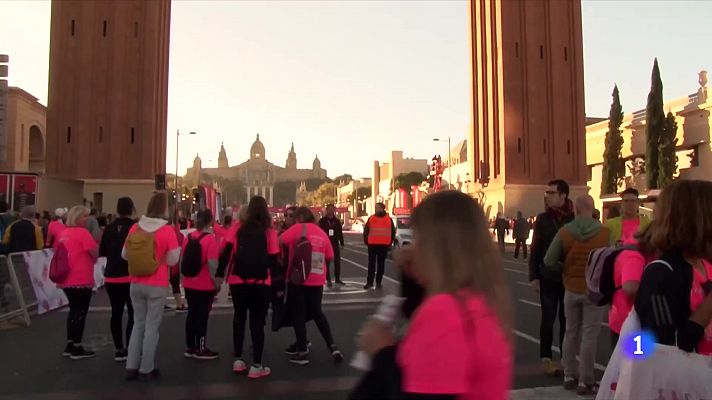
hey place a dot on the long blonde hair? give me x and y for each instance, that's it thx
(455, 251)
(76, 213)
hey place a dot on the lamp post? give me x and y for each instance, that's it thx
(449, 163)
(175, 188)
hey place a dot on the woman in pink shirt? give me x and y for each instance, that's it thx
(458, 344)
(82, 251)
(148, 292)
(200, 289)
(250, 255)
(304, 300)
(55, 228)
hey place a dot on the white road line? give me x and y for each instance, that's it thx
(355, 264)
(532, 339)
(527, 284)
(516, 271)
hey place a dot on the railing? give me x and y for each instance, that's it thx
(15, 298)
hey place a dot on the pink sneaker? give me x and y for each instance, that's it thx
(239, 366)
(259, 372)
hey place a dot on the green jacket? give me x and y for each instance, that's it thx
(615, 225)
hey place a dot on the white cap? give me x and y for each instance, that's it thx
(60, 212)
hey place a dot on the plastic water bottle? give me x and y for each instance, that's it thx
(386, 313)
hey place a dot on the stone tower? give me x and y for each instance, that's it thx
(291, 159)
(222, 157)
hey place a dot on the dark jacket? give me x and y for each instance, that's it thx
(501, 226)
(545, 228)
(326, 224)
(23, 235)
(111, 244)
(663, 303)
(521, 229)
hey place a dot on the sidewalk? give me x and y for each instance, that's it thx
(548, 393)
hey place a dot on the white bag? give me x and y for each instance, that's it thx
(669, 374)
(609, 383)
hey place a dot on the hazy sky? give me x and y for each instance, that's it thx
(350, 80)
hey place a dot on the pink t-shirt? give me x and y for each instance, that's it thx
(628, 268)
(79, 243)
(165, 240)
(53, 230)
(209, 251)
(628, 229)
(272, 249)
(445, 353)
(697, 296)
(322, 252)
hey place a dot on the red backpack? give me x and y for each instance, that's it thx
(59, 265)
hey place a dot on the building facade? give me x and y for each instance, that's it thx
(107, 104)
(26, 130)
(693, 115)
(527, 101)
(384, 174)
(257, 173)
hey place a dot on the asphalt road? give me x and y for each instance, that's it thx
(32, 367)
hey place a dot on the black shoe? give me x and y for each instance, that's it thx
(79, 353)
(340, 282)
(336, 354)
(329, 284)
(300, 358)
(205, 354)
(368, 286)
(379, 286)
(131, 374)
(68, 349)
(121, 355)
(292, 349)
(155, 374)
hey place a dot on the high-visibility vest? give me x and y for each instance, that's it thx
(379, 230)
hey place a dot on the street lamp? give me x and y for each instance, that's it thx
(449, 163)
(175, 188)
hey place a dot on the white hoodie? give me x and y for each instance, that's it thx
(152, 225)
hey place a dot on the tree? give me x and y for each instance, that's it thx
(362, 192)
(285, 193)
(343, 179)
(405, 181)
(323, 195)
(232, 189)
(613, 163)
(654, 127)
(667, 159)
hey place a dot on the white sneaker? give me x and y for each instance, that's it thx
(239, 366)
(259, 372)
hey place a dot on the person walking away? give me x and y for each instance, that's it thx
(151, 248)
(81, 251)
(458, 344)
(55, 227)
(379, 233)
(199, 264)
(624, 227)
(501, 228)
(559, 211)
(521, 234)
(175, 278)
(572, 245)
(116, 275)
(24, 234)
(332, 227)
(304, 298)
(93, 225)
(674, 300)
(253, 251)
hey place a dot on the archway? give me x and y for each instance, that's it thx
(37, 150)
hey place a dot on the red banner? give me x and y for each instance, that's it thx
(402, 198)
(24, 191)
(417, 195)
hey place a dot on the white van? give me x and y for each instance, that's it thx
(404, 234)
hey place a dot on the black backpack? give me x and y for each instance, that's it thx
(192, 261)
(251, 259)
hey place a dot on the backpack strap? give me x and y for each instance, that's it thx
(304, 231)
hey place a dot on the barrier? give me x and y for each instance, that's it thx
(12, 300)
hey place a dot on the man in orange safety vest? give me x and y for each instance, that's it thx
(378, 234)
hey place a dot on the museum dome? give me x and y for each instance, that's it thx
(258, 149)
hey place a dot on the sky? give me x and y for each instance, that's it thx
(351, 80)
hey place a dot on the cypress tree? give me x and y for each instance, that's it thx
(654, 127)
(667, 159)
(613, 164)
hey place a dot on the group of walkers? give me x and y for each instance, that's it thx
(249, 255)
(660, 268)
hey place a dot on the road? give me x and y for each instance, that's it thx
(33, 368)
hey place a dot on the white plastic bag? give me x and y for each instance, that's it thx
(668, 374)
(609, 383)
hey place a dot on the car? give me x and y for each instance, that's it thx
(404, 233)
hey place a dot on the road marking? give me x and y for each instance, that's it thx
(527, 284)
(516, 271)
(355, 264)
(532, 339)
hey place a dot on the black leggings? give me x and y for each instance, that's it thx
(79, 299)
(255, 299)
(304, 303)
(120, 297)
(196, 323)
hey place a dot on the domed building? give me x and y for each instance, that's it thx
(257, 174)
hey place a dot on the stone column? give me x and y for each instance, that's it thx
(271, 195)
